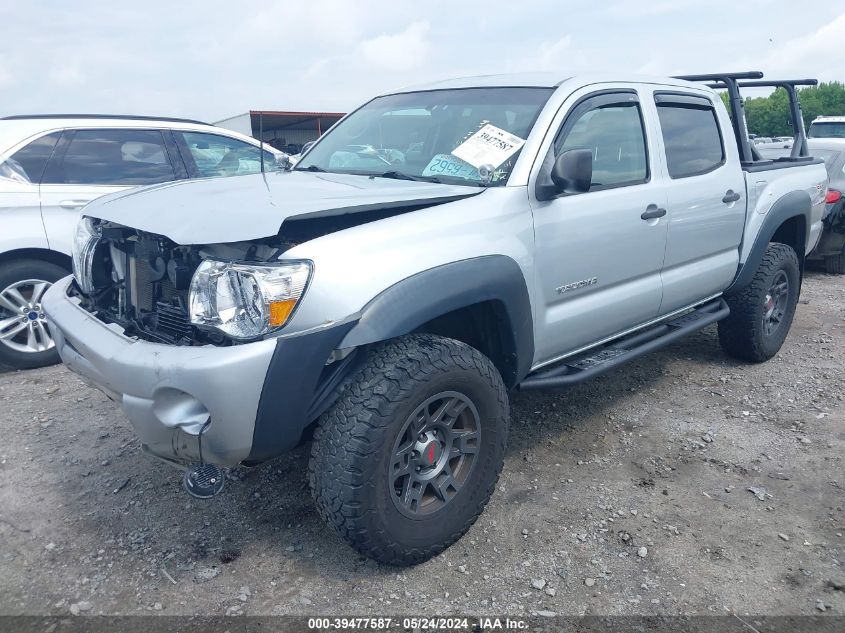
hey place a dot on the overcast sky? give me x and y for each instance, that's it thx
(210, 60)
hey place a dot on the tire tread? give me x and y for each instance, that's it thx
(352, 431)
(741, 333)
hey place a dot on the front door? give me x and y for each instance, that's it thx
(599, 254)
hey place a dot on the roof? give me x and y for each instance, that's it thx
(541, 80)
(514, 80)
(130, 117)
(829, 119)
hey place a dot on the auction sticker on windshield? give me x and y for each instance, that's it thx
(489, 146)
(446, 165)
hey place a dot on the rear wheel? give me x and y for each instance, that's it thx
(762, 312)
(835, 264)
(25, 339)
(405, 461)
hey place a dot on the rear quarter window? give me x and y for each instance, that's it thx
(691, 137)
(28, 163)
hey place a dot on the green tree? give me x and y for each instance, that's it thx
(769, 116)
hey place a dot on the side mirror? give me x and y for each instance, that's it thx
(284, 163)
(572, 172)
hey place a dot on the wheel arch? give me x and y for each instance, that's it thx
(42, 254)
(787, 222)
(482, 301)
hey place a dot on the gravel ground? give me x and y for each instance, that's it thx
(686, 483)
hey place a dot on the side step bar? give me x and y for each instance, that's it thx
(620, 351)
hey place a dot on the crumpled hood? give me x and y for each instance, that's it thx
(218, 210)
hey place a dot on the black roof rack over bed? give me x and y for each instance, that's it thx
(732, 82)
(799, 146)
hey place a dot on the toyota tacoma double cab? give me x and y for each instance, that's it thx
(437, 248)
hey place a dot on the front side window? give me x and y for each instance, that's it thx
(612, 129)
(28, 163)
(691, 137)
(215, 155)
(467, 136)
(111, 157)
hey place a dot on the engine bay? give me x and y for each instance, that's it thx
(141, 281)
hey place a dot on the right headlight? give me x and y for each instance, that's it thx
(246, 300)
(82, 250)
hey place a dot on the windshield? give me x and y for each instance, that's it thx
(827, 130)
(468, 136)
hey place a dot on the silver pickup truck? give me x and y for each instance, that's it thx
(437, 248)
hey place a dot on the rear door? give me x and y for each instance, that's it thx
(706, 198)
(598, 254)
(89, 163)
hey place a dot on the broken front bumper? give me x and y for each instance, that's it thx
(187, 404)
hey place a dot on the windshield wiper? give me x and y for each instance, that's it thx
(309, 168)
(398, 175)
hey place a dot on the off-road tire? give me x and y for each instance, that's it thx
(15, 271)
(354, 442)
(742, 333)
(835, 264)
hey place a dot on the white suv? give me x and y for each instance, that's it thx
(52, 165)
(827, 127)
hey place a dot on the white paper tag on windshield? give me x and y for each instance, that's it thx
(489, 146)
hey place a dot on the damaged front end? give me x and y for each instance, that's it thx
(200, 294)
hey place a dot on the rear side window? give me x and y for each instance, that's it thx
(112, 157)
(691, 137)
(215, 155)
(28, 163)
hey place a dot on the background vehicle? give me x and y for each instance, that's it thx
(51, 166)
(437, 247)
(776, 142)
(827, 127)
(830, 249)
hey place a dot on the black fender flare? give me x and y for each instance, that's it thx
(405, 306)
(793, 204)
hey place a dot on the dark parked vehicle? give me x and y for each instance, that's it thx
(831, 246)
(830, 249)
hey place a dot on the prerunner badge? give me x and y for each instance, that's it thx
(489, 146)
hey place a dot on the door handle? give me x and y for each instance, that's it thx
(72, 204)
(731, 196)
(652, 211)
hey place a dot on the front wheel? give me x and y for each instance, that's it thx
(762, 312)
(406, 459)
(25, 339)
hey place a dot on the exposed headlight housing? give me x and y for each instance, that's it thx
(246, 300)
(84, 245)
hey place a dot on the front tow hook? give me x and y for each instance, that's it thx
(203, 481)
